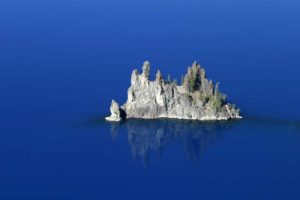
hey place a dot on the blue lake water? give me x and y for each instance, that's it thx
(62, 61)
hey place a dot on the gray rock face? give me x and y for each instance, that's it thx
(196, 99)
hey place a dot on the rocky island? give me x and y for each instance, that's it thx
(197, 98)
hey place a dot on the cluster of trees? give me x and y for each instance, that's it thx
(195, 81)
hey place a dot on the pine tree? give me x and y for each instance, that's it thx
(182, 79)
(169, 79)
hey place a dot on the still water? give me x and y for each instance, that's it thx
(61, 63)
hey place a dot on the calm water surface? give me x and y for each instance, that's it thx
(62, 61)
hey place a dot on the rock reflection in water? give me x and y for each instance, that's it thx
(145, 136)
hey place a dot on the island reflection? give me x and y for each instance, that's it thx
(146, 136)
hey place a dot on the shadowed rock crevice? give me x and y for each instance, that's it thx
(197, 98)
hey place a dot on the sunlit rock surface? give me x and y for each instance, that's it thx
(197, 98)
(115, 112)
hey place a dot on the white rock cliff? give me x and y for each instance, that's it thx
(195, 99)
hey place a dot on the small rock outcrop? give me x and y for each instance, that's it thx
(115, 112)
(197, 98)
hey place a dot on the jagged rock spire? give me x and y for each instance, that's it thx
(115, 112)
(134, 77)
(158, 76)
(146, 69)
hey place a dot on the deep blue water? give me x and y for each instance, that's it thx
(62, 61)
